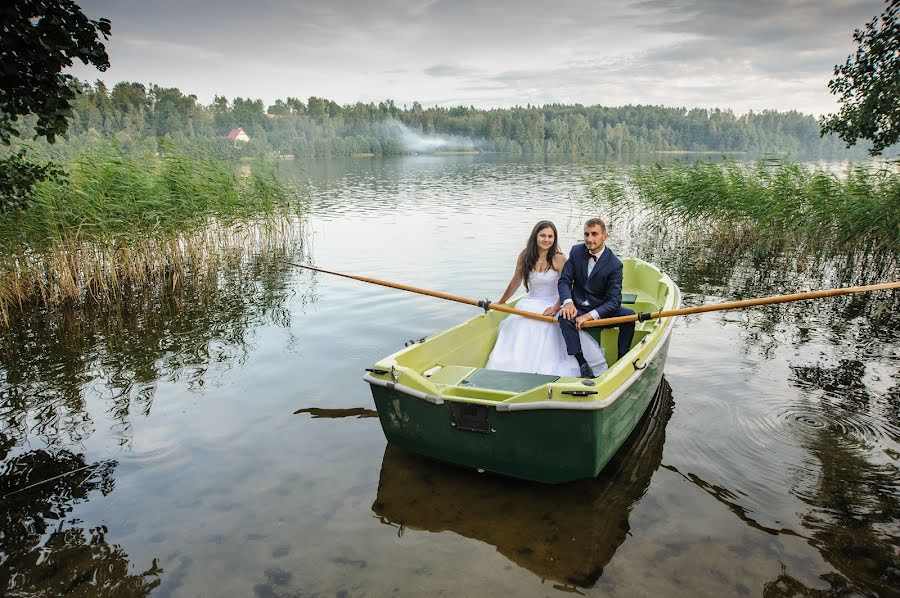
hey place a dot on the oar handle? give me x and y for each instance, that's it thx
(430, 293)
(743, 303)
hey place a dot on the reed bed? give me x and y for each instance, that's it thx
(769, 201)
(117, 222)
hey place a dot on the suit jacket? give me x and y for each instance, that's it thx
(602, 290)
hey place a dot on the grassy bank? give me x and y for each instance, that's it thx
(117, 221)
(771, 201)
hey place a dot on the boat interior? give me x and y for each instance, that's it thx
(453, 361)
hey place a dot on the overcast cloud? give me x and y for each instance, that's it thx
(741, 55)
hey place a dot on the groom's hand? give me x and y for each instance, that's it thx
(568, 311)
(580, 320)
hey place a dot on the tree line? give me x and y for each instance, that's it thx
(139, 116)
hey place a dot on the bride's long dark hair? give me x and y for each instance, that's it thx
(531, 252)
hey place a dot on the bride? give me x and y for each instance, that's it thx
(532, 346)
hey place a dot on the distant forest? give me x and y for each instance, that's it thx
(139, 118)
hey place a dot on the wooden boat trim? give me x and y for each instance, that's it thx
(425, 396)
(592, 405)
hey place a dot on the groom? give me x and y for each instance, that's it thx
(590, 288)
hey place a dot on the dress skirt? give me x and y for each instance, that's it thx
(535, 347)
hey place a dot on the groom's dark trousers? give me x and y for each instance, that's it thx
(599, 288)
(573, 343)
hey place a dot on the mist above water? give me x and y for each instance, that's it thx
(414, 141)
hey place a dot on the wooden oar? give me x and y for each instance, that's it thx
(621, 319)
(743, 303)
(448, 296)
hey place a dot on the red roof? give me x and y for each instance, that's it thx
(235, 132)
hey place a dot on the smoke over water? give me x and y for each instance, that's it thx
(416, 142)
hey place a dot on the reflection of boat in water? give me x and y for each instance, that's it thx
(436, 398)
(566, 533)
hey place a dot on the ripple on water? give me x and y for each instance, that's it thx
(170, 453)
(362, 352)
(735, 445)
(854, 429)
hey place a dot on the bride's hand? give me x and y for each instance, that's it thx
(551, 311)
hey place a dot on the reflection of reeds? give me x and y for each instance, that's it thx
(782, 202)
(119, 221)
(43, 557)
(190, 334)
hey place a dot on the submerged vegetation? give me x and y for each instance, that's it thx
(118, 221)
(766, 202)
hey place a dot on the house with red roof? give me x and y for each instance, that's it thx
(238, 135)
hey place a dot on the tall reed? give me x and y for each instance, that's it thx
(118, 220)
(781, 202)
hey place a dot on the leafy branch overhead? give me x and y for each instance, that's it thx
(18, 177)
(868, 84)
(41, 38)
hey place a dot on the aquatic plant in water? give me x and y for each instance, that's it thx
(119, 220)
(812, 206)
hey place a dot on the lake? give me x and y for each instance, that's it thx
(218, 440)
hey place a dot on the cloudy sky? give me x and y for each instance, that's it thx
(741, 54)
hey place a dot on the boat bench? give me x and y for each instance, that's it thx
(471, 382)
(609, 337)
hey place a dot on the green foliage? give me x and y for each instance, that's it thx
(868, 84)
(321, 127)
(769, 200)
(18, 177)
(41, 38)
(111, 195)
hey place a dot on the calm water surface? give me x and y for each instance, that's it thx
(218, 440)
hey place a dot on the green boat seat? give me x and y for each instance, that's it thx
(506, 381)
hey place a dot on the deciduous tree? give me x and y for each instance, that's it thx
(868, 84)
(39, 39)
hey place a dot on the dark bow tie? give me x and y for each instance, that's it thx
(591, 256)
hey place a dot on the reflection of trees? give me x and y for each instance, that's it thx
(52, 361)
(785, 586)
(566, 533)
(41, 554)
(853, 503)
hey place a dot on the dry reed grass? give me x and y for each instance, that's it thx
(119, 222)
(75, 271)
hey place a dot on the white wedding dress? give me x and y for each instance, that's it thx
(535, 347)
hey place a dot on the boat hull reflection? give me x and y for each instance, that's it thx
(566, 533)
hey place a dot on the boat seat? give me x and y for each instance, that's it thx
(514, 382)
(448, 375)
(609, 337)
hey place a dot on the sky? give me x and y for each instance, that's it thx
(742, 55)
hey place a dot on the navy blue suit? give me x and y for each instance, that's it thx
(601, 291)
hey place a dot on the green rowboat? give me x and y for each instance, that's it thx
(567, 534)
(436, 399)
